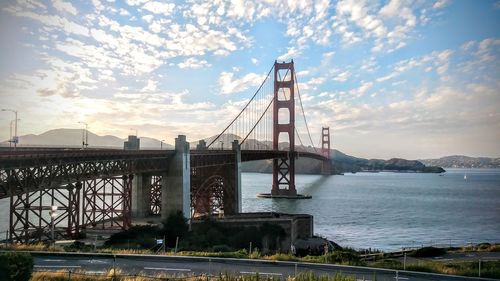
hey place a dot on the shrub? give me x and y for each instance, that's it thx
(141, 235)
(221, 248)
(427, 252)
(388, 263)
(77, 246)
(15, 266)
(175, 226)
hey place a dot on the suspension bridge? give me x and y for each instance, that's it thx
(100, 189)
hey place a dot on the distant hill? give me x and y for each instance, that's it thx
(73, 138)
(461, 161)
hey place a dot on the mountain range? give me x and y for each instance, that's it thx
(461, 161)
(73, 138)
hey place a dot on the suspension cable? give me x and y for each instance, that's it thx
(303, 113)
(256, 92)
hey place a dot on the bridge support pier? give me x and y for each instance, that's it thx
(237, 177)
(176, 182)
(141, 195)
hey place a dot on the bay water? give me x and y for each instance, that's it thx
(388, 211)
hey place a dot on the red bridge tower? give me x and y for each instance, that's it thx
(284, 107)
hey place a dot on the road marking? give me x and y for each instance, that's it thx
(168, 269)
(55, 260)
(94, 272)
(58, 266)
(363, 280)
(97, 261)
(401, 278)
(261, 273)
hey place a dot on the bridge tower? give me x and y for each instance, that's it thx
(284, 107)
(325, 150)
(325, 141)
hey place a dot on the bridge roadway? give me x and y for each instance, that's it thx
(175, 265)
(46, 168)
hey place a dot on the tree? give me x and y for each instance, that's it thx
(175, 226)
(16, 266)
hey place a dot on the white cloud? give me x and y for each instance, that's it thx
(148, 18)
(151, 86)
(136, 2)
(159, 8)
(124, 12)
(361, 90)
(290, 54)
(343, 76)
(193, 63)
(62, 6)
(52, 22)
(156, 27)
(255, 61)
(440, 4)
(387, 77)
(230, 85)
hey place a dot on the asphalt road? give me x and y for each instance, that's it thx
(152, 265)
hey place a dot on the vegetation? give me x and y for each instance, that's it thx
(490, 269)
(206, 236)
(337, 257)
(210, 239)
(428, 252)
(15, 266)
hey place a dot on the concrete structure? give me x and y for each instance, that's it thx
(133, 143)
(141, 195)
(237, 177)
(176, 183)
(296, 226)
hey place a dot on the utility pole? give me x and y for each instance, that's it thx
(15, 138)
(10, 134)
(53, 215)
(161, 144)
(85, 135)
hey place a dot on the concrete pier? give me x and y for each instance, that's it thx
(141, 195)
(237, 177)
(176, 183)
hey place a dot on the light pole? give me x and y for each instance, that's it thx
(221, 145)
(53, 215)
(10, 134)
(134, 130)
(85, 135)
(161, 144)
(15, 138)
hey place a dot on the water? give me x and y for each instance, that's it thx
(389, 211)
(385, 211)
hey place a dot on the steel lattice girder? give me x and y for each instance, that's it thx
(156, 194)
(30, 219)
(21, 180)
(212, 190)
(107, 202)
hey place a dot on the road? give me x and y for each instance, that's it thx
(151, 265)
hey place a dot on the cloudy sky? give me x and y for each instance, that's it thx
(394, 78)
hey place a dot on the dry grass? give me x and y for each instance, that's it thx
(31, 247)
